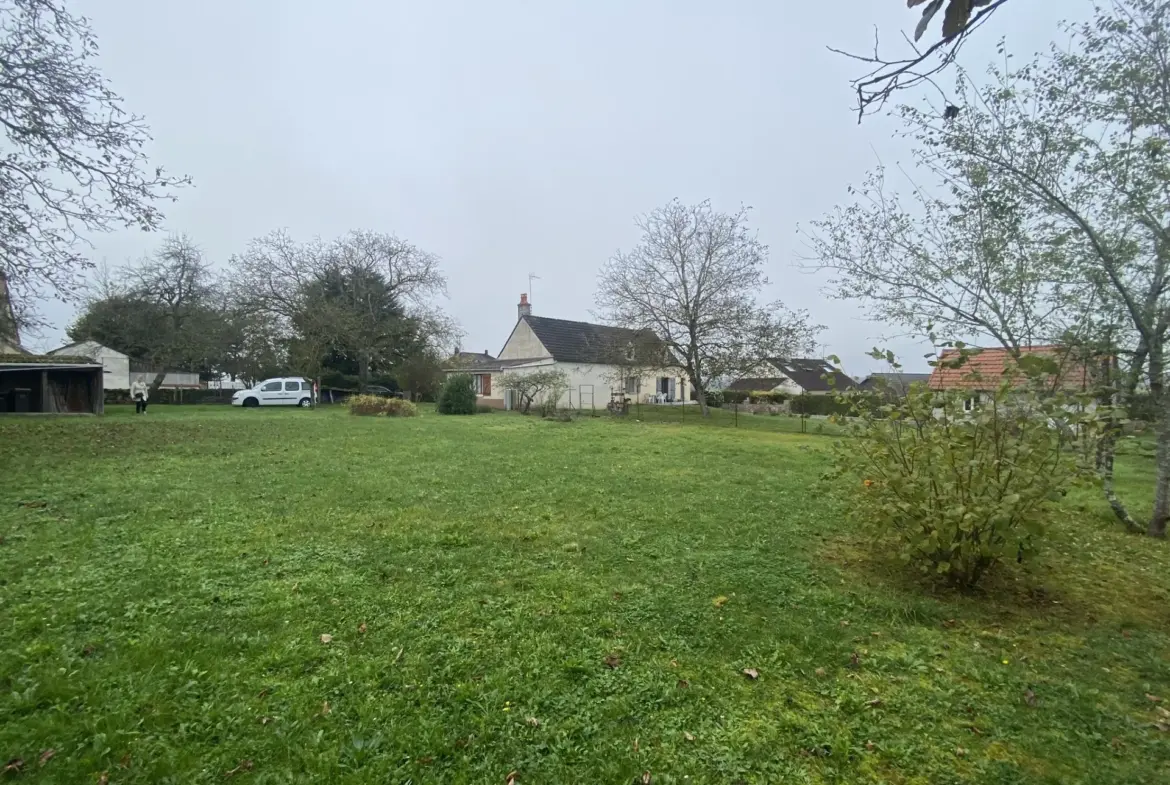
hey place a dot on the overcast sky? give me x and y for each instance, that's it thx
(513, 137)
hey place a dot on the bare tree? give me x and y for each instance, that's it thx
(693, 282)
(920, 65)
(74, 160)
(531, 385)
(178, 285)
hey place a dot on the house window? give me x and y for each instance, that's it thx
(969, 404)
(633, 385)
(477, 383)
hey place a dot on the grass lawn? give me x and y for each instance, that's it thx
(572, 602)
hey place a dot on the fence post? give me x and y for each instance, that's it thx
(736, 407)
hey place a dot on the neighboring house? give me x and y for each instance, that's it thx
(597, 360)
(119, 370)
(893, 384)
(794, 377)
(983, 372)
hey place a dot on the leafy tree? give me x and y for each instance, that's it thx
(1074, 147)
(457, 396)
(166, 309)
(73, 161)
(362, 304)
(693, 282)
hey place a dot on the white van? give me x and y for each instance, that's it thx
(286, 391)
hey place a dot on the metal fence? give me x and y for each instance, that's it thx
(741, 416)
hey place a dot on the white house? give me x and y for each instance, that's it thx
(598, 360)
(118, 370)
(794, 377)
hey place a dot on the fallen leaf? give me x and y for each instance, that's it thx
(1116, 743)
(645, 778)
(874, 703)
(88, 650)
(960, 751)
(14, 765)
(1164, 712)
(1162, 726)
(1126, 634)
(245, 765)
(876, 634)
(1030, 697)
(674, 663)
(974, 730)
(362, 628)
(511, 778)
(869, 745)
(426, 760)
(263, 693)
(719, 601)
(47, 755)
(265, 720)
(125, 761)
(1153, 698)
(949, 623)
(326, 638)
(683, 684)
(751, 673)
(688, 736)
(854, 660)
(613, 660)
(104, 779)
(617, 595)
(822, 672)
(844, 623)
(635, 744)
(325, 708)
(534, 722)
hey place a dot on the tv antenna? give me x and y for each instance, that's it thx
(531, 277)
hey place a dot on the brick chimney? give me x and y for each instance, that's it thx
(524, 308)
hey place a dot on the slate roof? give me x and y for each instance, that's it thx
(990, 365)
(582, 342)
(894, 382)
(472, 357)
(754, 384)
(813, 375)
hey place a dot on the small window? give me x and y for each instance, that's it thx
(969, 404)
(292, 386)
(271, 387)
(633, 385)
(477, 383)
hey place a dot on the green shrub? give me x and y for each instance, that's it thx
(715, 398)
(377, 406)
(767, 396)
(457, 395)
(818, 404)
(735, 396)
(484, 409)
(953, 491)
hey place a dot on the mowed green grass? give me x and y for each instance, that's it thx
(165, 583)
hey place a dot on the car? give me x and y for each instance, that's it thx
(284, 391)
(382, 392)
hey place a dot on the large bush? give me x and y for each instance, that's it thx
(457, 395)
(715, 398)
(735, 396)
(543, 387)
(954, 491)
(818, 404)
(376, 405)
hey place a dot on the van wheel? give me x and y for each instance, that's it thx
(305, 403)
(251, 402)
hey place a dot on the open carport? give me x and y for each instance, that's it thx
(50, 385)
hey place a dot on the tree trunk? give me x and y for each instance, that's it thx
(1161, 403)
(157, 382)
(1107, 446)
(701, 394)
(1162, 477)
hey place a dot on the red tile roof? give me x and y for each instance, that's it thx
(990, 365)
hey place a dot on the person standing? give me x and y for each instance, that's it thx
(140, 392)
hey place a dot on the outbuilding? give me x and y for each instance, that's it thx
(36, 384)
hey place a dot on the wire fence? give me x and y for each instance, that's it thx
(740, 416)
